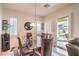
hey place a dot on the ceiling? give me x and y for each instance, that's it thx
(32, 8)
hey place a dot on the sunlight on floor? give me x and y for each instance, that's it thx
(59, 52)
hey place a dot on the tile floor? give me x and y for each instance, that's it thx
(59, 52)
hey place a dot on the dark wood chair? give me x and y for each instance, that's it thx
(27, 52)
(23, 51)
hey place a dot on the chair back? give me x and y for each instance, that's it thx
(20, 45)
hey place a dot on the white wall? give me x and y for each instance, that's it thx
(0, 28)
(74, 9)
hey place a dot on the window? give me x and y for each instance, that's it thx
(62, 31)
(38, 41)
(47, 27)
(13, 26)
(42, 27)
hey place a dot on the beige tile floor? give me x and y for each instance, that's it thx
(59, 52)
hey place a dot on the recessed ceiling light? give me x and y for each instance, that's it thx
(46, 5)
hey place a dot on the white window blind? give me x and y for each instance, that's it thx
(13, 26)
(38, 34)
(47, 27)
